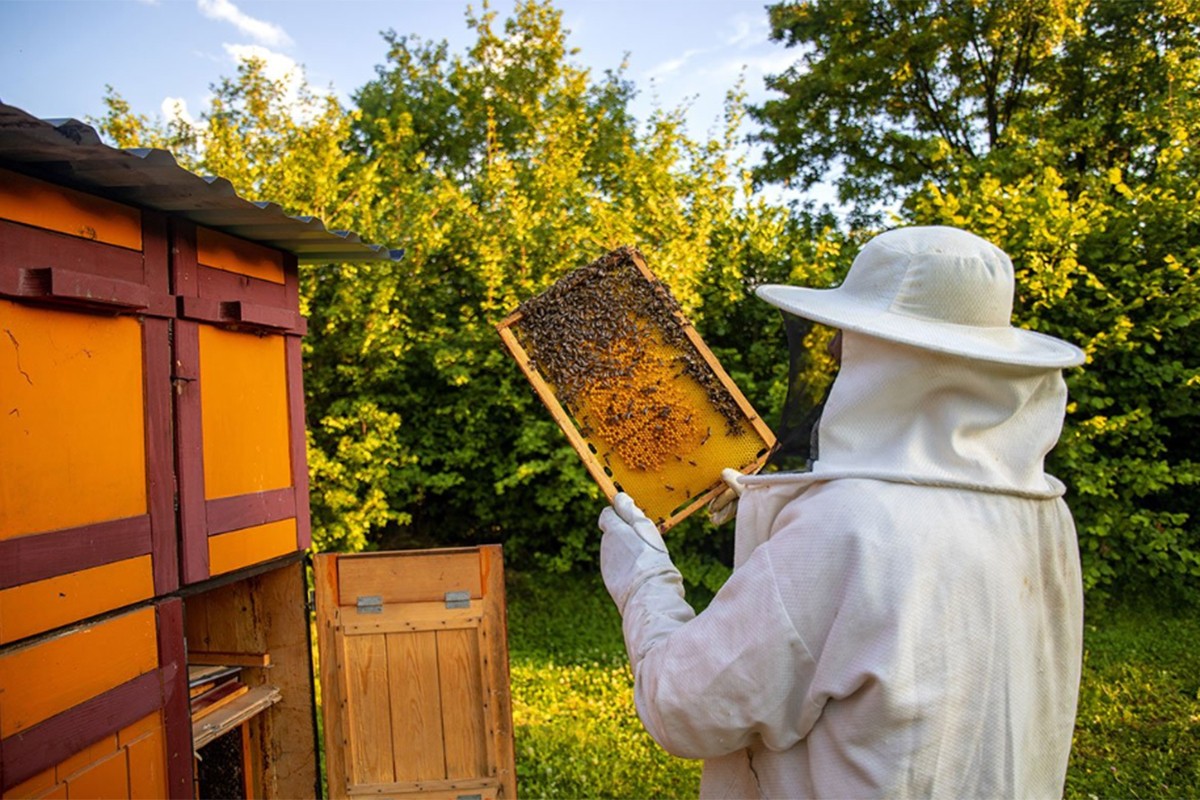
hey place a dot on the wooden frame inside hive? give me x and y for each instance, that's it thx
(639, 395)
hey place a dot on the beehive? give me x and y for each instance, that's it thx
(641, 398)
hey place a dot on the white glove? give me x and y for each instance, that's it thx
(632, 550)
(723, 507)
(643, 582)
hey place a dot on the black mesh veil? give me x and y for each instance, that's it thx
(796, 435)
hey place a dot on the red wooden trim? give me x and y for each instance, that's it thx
(246, 510)
(183, 258)
(53, 740)
(291, 280)
(155, 251)
(177, 714)
(241, 315)
(23, 249)
(296, 423)
(44, 555)
(220, 284)
(160, 451)
(68, 286)
(189, 453)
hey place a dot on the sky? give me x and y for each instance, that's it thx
(57, 56)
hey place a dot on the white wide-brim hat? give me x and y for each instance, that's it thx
(938, 288)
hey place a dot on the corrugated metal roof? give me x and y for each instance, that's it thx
(71, 152)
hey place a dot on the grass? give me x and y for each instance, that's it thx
(1137, 732)
(577, 735)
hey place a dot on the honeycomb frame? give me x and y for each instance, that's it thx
(692, 409)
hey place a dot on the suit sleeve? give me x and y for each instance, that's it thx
(710, 684)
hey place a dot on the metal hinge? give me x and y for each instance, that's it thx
(458, 599)
(369, 604)
(470, 797)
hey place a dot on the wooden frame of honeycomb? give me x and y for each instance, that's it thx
(639, 395)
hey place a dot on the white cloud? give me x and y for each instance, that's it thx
(175, 108)
(276, 66)
(225, 11)
(279, 68)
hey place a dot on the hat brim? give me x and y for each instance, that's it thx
(1003, 345)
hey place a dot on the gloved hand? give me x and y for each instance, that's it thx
(723, 507)
(632, 550)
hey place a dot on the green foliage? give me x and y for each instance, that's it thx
(897, 92)
(1064, 133)
(497, 170)
(1137, 732)
(577, 735)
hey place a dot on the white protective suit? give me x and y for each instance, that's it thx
(903, 620)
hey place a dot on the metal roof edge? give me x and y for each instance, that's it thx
(72, 153)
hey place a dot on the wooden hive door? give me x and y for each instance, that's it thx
(414, 674)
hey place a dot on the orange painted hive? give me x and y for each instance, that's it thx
(639, 395)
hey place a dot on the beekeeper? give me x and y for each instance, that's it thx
(904, 618)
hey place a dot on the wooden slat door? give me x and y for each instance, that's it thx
(414, 674)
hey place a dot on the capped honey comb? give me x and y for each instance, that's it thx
(639, 395)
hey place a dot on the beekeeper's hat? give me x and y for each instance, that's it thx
(937, 288)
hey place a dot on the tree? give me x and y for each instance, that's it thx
(1084, 170)
(498, 170)
(897, 92)
(501, 169)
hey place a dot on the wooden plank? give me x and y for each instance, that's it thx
(230, 620)
(462, 703)
(51, 741)
(237, 549)
(37, 786)
(448, 789)
(222, 251)
(222, 285)
(71, 419)
(325, 583)
(147, 758)
(493, 641)
(247, 705)
(23, 249)
(51, 676)
(416, 706)
(407, 617)
(173, 689)
(45, 205)
(244, 411)
(247, 510)
(228, 659)
(289, 733)
(78, 762)
(221, 697)
(296, 428)
(368, 718)
(160, 446)
(143, 727)
(189, 453)
(409, 577)
(107, 778)
(43, 555)
(54, 602)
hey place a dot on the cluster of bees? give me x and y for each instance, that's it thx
(612, 344)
